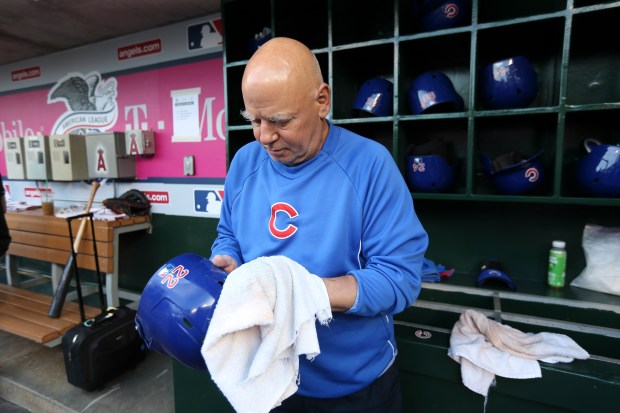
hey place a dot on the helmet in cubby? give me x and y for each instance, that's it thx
(375, 97)
(513, 173)
(433, 92)
(429, 168)
(598, 171)
(259, 39)
(177, 305)
(508, 83)
(434, 15)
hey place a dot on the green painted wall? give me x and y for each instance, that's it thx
(141, 254)
(463, 234)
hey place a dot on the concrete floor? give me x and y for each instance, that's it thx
(33, 377)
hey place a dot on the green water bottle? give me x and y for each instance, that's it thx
(557, 265)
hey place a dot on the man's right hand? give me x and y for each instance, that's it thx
(225, 262)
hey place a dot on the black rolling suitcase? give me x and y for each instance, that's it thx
(101, 348)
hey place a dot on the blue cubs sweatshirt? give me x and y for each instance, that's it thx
(345, 211)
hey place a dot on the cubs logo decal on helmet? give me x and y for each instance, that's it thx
(177, 305)
(441, 14)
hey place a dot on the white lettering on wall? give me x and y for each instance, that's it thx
(207, 111)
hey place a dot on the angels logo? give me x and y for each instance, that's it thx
(90, 100)
(102, 165)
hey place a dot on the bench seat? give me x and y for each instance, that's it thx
(24, 313)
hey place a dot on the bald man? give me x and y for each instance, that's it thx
(336, 203)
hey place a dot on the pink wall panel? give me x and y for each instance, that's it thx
(137, 100)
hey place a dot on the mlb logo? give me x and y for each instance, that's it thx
(165, 270)
(204, 35)
(207, 201)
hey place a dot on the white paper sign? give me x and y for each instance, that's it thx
(185, 115)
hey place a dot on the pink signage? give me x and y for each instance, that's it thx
(182, 104)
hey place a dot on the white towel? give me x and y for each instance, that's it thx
(264, 320)
(486, 348)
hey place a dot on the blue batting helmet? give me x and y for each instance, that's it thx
(375, 97)
(598, 172)
(513, 173)
(259, 39)
(509, 83)
(433, 92)
(429, 173)
(177, 305)
(428, 167)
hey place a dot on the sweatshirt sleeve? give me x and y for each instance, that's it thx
(226, 243)
(392, 246)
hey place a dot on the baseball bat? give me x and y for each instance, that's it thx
(65, 280)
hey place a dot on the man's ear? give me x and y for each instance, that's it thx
(324, 100)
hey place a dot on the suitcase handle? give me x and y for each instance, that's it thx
(109, 313)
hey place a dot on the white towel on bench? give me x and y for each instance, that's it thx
(486, 348)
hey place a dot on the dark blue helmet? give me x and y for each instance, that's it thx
(429, 173)
(433, 91)
(598, 172)
(509, 83)
(375, 97)
(513, 173)
(429, 168)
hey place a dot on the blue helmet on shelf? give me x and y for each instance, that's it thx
(598, 172)
(375, 97)
(513, 173)
(433, 92)
(509, 83)
(177, 305)
(492, 273)
(429, 173)
(428, 167)
(259, 39)
(441, 14)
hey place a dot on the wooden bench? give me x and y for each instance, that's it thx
(24, 313)
(46, 238)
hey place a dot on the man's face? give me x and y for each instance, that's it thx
(285, 120)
